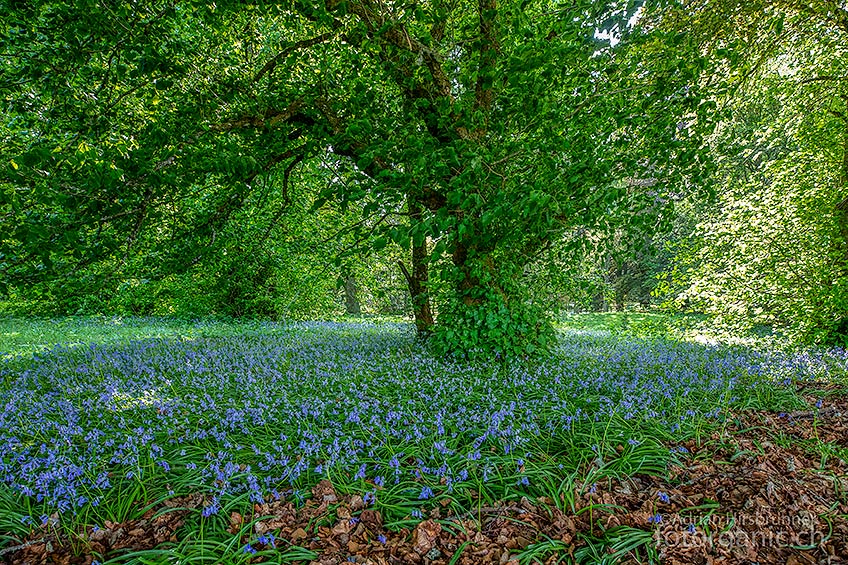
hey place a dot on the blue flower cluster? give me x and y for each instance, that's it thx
(262, 412)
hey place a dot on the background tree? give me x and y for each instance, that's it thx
(772, 247)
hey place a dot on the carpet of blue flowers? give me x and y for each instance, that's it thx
(271, 411)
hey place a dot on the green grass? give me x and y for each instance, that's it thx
(24, 336)
(681, 326)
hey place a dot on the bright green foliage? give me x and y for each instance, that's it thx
(491, 326)
(140, 133)
(773, 246)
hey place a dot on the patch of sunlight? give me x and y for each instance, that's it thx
(126, 401)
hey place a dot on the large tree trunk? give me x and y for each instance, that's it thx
(417, 280)
(352, 306)
(492, 315)
(468, 281)
(481, 277)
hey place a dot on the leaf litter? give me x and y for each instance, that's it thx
(757, 491)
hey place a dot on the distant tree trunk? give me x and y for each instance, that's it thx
(619, 300)
(417, 280)
(352, 306)
(841, 216)
(841, 208)
(842, 205)
(614, 277)
(599, 303)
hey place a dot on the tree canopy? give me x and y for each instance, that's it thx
(772, 247)
(474, 134)
(481, 145)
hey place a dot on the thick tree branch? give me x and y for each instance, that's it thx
(270, 119)
(303, 44)
(394, 33)
(824, 78)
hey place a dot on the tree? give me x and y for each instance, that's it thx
(474, 134)
(773, 248)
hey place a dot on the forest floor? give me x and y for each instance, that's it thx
(753, 483)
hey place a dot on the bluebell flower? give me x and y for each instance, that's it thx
(211, 509)
(267, 539)
(297, 390)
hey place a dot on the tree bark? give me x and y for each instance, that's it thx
(352, 305)
(468, 280)
(417, 280)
